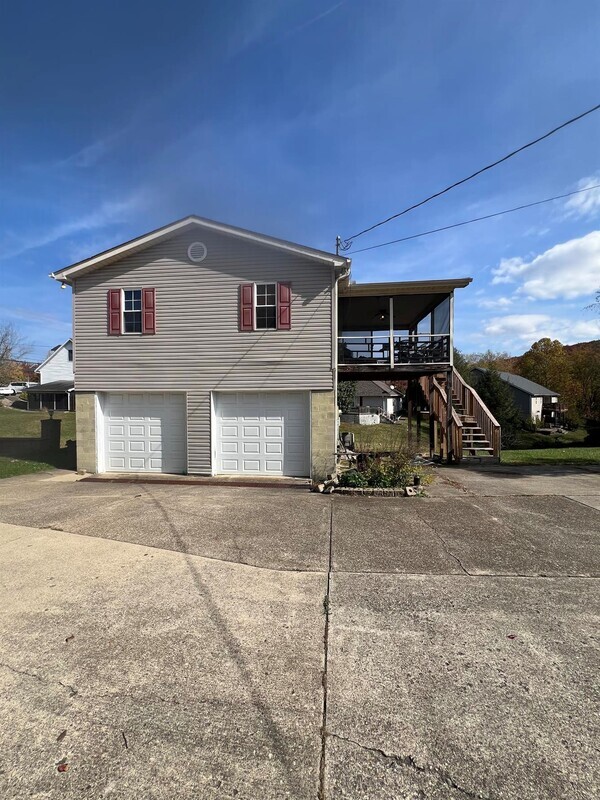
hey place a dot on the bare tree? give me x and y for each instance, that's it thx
(13, 349)
(595, 306)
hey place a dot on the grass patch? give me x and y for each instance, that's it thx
(552, 455)
(9, 467)
(15, 424)
(382, 438)
(530, 440)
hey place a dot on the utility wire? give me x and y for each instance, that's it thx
(348, 241)
(475, 219)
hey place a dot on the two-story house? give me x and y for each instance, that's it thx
(207, 349)
(55, 388)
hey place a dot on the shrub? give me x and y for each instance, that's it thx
(390, 472)
(353, 479)
(346, 395)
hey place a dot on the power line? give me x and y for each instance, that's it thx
(475, 219)
(347, 242)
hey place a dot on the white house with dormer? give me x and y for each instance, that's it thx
(55, 389)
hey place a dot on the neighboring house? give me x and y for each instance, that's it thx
(534, 401)
(377, 394)
(55, 389)
(207, 349)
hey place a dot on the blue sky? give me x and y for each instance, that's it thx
(304, 120)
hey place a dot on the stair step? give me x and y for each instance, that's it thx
(474, 450)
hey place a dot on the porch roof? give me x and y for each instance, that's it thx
(54, 387)
(403, 287)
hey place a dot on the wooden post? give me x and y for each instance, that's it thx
(409, 395)
(449, 423)
(391, 332)
(419, 420)
(432, 423)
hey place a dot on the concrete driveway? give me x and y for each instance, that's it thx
(193, 641)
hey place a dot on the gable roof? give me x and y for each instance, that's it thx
(67, 274)
(374, 389)
(52, 353)
(524, 384)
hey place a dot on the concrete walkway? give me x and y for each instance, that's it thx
(191, 641)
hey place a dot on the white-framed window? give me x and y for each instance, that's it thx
(265, 306)
(132, 310)
(70, 355)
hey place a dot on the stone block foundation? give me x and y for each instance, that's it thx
(323, 434)
(87, 457)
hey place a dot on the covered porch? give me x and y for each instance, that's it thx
(53, 396)
(389, 330)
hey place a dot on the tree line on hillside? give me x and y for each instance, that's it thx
(572, 371)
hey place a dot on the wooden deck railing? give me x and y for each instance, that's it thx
(438, 403)
(473, 407)
(476, 408)
(392, 350)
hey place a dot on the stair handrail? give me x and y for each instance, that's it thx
(475, 407)
(440, 413)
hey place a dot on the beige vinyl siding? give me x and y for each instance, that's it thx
(198, 347)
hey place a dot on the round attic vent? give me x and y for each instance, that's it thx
(197, 251)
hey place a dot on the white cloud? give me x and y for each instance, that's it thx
(496, 302)
(45, 319)
(109, 213)
(586, 203)
(318, 17)
(567, 270)
(528, 328)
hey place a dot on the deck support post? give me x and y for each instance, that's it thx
(409, 396)
(449, 422)
(391, 312)
(432, 422)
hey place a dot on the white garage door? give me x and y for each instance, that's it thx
(264, 433)
(144, 432)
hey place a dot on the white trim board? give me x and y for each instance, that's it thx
(67, 274)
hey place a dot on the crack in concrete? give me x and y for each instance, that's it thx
(44, 681)
(409, 762)
(444, 544)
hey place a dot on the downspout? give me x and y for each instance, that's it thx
(344, 272)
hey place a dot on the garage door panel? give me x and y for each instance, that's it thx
(269, 431)
(273, 447)
(145, 432)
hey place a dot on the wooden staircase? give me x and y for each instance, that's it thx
(470, 432)
(475, 447)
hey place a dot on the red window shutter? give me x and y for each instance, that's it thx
(247, 307)
(114, 311)
(148, 310)
(284, 306)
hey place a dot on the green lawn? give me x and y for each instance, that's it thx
(530, 440)
(9, 467)
(534, 448)
(552, 455)
(15, 423)
(379, 438)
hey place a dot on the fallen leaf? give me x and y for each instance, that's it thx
(61, 736)
(512, 636)
(63, 767)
